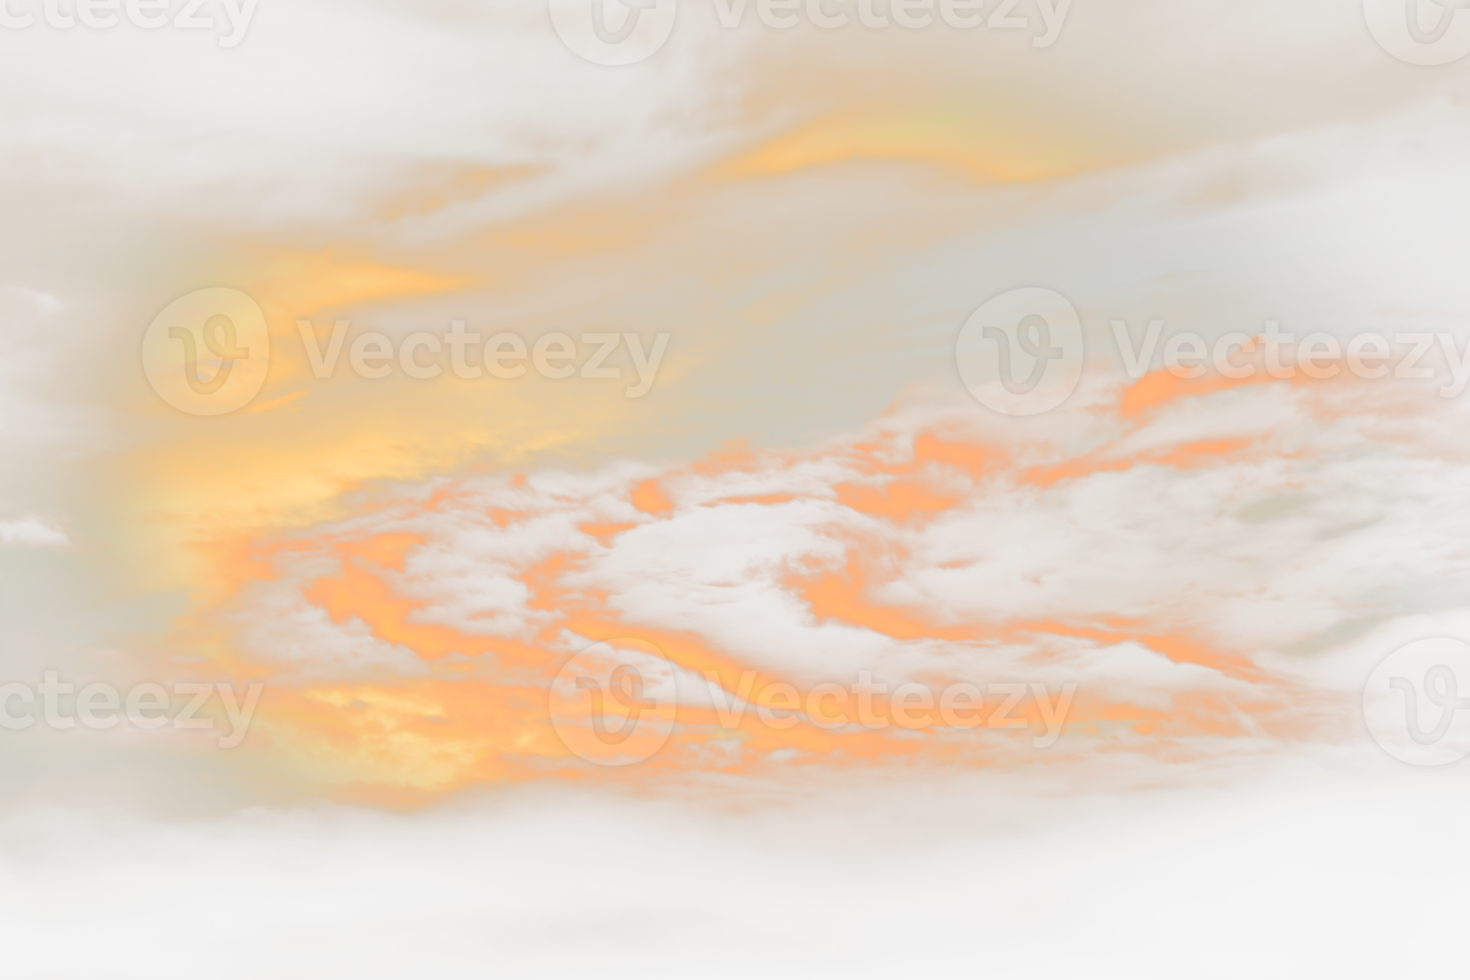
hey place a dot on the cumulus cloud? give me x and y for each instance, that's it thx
(1167, 563)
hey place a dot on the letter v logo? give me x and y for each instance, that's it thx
(626, 688)
(1021, 353)
(1413, 703)
(1420, 32)
(615, 703)
(614, 32)
(207, 353)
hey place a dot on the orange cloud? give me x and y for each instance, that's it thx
(471, 704)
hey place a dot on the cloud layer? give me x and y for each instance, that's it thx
(1196, 576)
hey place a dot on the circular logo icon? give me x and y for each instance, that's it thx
(613, 704)
(207, 352)
(1021, 353)
(1421, 32)
(614, 32)
(1417, 702)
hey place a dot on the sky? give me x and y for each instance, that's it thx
(717, 453)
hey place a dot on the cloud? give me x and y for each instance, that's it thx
(32, 532)
(1166, 561)
(484, 115)
(487, 128)
(38, 531)
(1214, 567)
(918, 875)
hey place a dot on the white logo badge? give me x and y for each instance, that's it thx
(207, 352)
(1417, 703)
(1022, 352)
(613, 704)
(614, 32)
(1421, 32)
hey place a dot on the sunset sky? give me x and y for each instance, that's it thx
(772, 479)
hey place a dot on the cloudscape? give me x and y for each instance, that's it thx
(744, 487)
